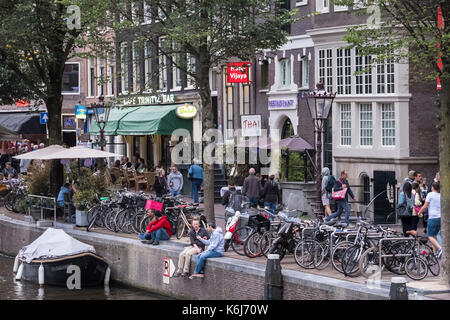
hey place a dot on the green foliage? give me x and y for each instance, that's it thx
(37, 181)
(296, 172)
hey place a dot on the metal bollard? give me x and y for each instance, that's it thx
(273, 282)
(398, 289)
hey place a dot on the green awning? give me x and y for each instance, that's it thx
(144, 120)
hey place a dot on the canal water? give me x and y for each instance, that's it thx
(10, 289)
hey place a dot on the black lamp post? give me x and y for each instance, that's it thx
(319, 103)
(101, 112)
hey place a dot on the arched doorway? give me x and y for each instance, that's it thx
(287, 130)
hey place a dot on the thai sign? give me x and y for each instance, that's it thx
(237, 72)
(251, 125)
(186, 111)
(282, 104)
(145, 100)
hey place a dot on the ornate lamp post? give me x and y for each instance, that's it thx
(319, 103)
(101, 112)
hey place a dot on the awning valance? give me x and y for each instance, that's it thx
(144, 120)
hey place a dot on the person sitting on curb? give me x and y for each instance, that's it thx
(215, 249)
(196, 247)
(160, 229)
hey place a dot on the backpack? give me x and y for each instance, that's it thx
(330, 183)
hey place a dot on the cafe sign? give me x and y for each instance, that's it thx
(237, 72)
(186, 111)
(145, 100)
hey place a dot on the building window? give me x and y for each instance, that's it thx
(304, 72)
(365, 123)
(285, 72)
(364, 77)
(346, 124)
(214, 82)
(344, 71)
(265, 74)
(191, 69)
(101, 76)
(176, 72)
(137, 67)
(111, 78)
(323, 6)
(229, 115)
(148, 64)
(326, 69)
(246, 98)
(162, 66)
(91, 66)
(71, 79)
(147, 13)
(385, 76)
(124, 68)
(387, 124)
(287, 130)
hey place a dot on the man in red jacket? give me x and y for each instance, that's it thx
(159, 229)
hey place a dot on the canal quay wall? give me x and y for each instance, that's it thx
(141, 266)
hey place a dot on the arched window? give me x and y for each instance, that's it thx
(288, 129)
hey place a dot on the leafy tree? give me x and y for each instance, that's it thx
(209, 32)
(37, 38)
(408, 30)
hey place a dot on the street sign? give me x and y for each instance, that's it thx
(80, 111)
(44, 118)
(168, 269)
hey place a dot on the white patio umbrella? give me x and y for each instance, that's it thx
(41, 154)
(80, 152)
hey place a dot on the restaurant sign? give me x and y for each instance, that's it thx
(145, 100)
(186, 111)
(251, 125)
(282, 104)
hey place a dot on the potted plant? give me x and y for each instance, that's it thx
(82, 200)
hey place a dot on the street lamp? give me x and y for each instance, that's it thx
(101, 112)
(319, 103)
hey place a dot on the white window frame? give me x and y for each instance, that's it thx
(385, 126)
(213, 79)
(137, 72)
(343, 71)
(361, 65)
(148, 60)
(323, 6)
(300, 3)
(286, 65)
(91, 65)
(176, 72)
(326, 65)
(190, 67)
(163, 67)
(124, 66)
(110, 73)
(304, 75)
(101, 63)
(79, 82)
(347, 138)
(365, 125)
(147, 14)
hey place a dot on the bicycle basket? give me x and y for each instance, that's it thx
(258, 222)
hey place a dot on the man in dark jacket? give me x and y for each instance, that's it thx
(228, 194)
(160, 229)
(271, 194)
(252, 187)
(196, 247)
(342, 204)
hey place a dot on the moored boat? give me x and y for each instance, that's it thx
(60, 255)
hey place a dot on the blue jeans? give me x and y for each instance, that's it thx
(342, 206)
(196, 183)
(174, 193)
(254, 201)
(271, 205)
(160, 234)
(201, 259)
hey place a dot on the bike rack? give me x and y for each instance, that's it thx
(381, 256)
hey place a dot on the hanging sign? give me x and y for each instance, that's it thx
(80, 112)
(22, 103)
(251, 125)
(237, 72)
(186, 111)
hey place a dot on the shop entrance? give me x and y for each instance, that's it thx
(70, 138)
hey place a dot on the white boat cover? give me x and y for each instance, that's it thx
(53, 243)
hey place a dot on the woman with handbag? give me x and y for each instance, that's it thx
(340, 193)
(405, 208)
(418, 203)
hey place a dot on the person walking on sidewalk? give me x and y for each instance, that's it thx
(160, 229)
(175, 182)
(252, 187)
(160, 185)
(215, 249)
(271, 194)
(326, 195)
(196, 247)
(342, 204)
(195, 175)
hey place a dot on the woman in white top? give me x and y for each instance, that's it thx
(416, 196)
(433, 203)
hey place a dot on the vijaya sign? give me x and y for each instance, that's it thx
(237, 72)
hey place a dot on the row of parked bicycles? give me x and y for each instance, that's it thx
(361, 249)
(124, 212)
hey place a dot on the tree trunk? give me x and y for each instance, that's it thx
(444, 160)
(207, 123)
(54, 106)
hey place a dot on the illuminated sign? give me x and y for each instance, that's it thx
(186, 111)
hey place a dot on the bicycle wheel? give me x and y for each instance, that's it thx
(180, 228)
(337, 254)
(428, 255)
(323, 257)
(396, 264)
(238, 239)
(369, 263)
(91, 217)
(145, 220)
(350, 260)
(266, 241)
(252, 248)
(306, 252)
(416, 268)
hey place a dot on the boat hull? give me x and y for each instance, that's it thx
(56, 273)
